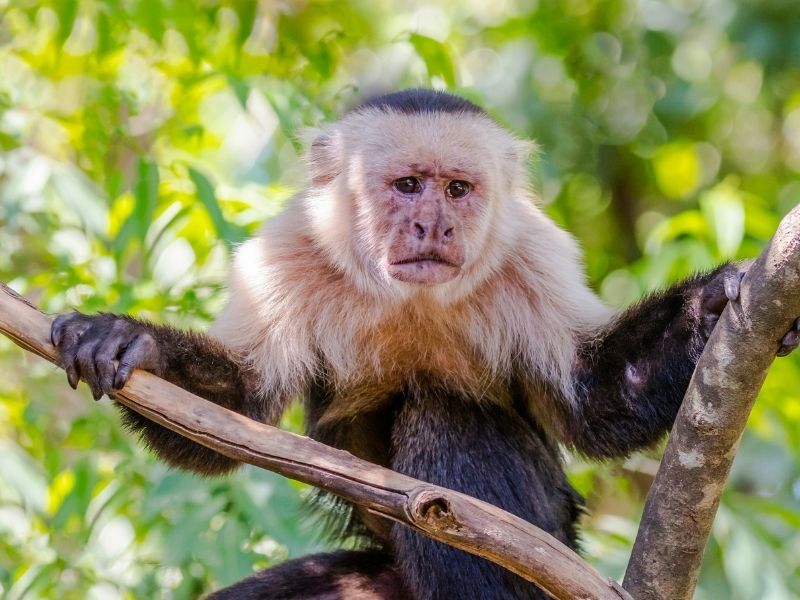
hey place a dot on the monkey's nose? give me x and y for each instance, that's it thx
(421, 230)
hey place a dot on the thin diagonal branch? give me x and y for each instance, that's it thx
(445, 515)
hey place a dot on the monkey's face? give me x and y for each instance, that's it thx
(425, 213)
(426, 210)
(413, 199)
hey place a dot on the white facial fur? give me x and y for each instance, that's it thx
(313, 288)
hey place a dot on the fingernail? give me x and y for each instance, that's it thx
(732, 289)
(790, 340)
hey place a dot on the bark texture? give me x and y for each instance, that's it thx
(684, 497)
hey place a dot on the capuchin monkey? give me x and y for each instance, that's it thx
(436, 322)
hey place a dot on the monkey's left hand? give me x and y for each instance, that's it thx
(724, 287)
(89, 345)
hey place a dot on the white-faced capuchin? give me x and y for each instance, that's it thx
(435, 321)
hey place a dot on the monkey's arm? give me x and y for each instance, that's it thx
(631, 378)
(90, 345)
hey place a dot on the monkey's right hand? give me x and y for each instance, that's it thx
(89, 347)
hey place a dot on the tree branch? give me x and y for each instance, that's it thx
(445, 515)
(683, 500)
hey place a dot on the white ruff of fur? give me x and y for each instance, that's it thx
(305, 289)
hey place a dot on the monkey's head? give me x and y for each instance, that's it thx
(414, 189)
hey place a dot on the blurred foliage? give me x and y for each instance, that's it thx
(139, 140)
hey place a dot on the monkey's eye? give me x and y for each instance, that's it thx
(408, 185)
(458, 188)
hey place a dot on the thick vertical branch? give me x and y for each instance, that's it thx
(683, 500)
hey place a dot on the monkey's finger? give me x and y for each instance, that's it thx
(732, 285)
(88, 370)
(788, 343)
(74, 322)
(791, 340)
(138, 355)
(57, 328)
(70, 363)
(68, 347)
(106, 353)
(709, 322)
(73, 375)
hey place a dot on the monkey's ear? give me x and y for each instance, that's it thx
(520, 157)
(322, 157)
(523, 151)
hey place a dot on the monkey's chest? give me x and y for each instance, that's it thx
(402, 355)
(388, 384)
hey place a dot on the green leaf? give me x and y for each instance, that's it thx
(145, 197)
(229, 232)
(233, 564)
(240, 89)
(67, 12)
(437, 57)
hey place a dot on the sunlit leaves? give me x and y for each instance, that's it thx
(724, 209)
(677, 170)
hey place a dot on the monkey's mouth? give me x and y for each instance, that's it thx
(431, 257)
(428, 268)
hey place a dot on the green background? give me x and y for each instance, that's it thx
(140, 141)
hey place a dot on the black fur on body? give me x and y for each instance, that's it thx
(627, 381)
